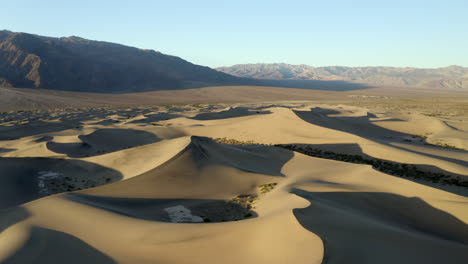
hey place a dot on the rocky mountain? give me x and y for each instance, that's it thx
(452, 77)
(77, 64)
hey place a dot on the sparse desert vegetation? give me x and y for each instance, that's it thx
(445, 145)
(145, 163)
(393, 168)
(117, 154)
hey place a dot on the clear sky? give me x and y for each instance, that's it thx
(225, 32)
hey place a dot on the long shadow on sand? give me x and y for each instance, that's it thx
(4, 150)
(26, 179)
(104, 141)
(9, 217)
(36, 128)
(230, 113)
(363, 227)
(150, 118)
(51, 246)
(352, 149)
(364, 127)
(260, 159)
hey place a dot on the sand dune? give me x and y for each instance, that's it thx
(150, 185)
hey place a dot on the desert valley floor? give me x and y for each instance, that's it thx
(267, 182)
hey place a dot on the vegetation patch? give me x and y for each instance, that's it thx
(445, 145)
(393, 168)
(235, 141)
(50, 182)
(246, 201)
(238, 208)
(265, 188)
(439, 143)
(421, 137)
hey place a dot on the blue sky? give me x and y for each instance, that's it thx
(222, 33)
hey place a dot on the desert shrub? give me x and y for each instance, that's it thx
(393, 168)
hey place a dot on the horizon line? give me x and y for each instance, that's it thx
(248, 63)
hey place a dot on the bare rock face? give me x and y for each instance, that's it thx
(5, 83)
(77, 64)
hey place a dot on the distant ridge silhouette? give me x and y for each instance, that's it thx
(452, 77)
(77, 64)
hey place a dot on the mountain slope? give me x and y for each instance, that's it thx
(77, 64)
(452, 77)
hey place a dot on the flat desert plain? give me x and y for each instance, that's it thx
(363, 177)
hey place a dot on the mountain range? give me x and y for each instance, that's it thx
(452, 77)
(77, 64)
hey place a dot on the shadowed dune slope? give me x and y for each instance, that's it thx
(44, 245)
(26, 179)
(104, 140)
(163, 191)
(196, 178)
(382, 224)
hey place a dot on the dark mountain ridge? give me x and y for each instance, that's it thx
(78, 64)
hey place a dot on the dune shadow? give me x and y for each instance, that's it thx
(36, 128)
(365, 227)
(272, 105)
(26, 179)
(150, 118)
(260, 159)
(4, 150)
(352, 153)
(230, 113)
(208, 210)
(11, 216)
(363, 127)
(106, 122)
(452, 127)
(44, 139)
(50, 246)
(73, 150)
(392, 120)
(104, 141)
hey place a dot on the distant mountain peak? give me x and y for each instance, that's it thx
(75, 39)
(451, 77)
(79, 64)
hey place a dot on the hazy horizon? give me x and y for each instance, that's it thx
(247, 63)
(421, 34)
(355, 66)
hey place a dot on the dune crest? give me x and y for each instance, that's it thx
(153, 185)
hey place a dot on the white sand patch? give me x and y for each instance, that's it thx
(180, 214)
(44, 177)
